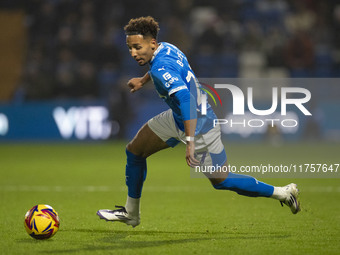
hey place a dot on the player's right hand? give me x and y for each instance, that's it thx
(135, 84)
(190, 155)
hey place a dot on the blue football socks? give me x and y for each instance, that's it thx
(135, 173)
(245, 185)
(242, 184)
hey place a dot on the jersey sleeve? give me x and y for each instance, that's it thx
(186, 100)
(169, 79)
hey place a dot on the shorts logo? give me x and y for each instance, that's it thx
(201, 155)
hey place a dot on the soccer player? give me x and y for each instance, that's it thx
(177, 85)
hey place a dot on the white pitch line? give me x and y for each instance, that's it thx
(27, 188)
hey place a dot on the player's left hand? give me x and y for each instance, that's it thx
(135, 84)
(190, 157)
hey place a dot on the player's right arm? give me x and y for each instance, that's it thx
(189, 128)
(137, 83)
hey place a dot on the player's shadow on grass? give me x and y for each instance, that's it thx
(121, 240)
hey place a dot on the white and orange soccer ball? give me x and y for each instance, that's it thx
(41, 222)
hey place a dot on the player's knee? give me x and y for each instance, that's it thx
(131, 148)
(217, 183)
(216, 186)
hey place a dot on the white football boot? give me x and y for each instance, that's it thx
(120, 215)
(292, 198)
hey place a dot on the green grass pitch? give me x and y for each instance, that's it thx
(180, 214)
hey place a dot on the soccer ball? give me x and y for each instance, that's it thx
(41, 222)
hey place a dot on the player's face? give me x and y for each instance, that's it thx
(141, 48)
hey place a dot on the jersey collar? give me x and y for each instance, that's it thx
(161, 46)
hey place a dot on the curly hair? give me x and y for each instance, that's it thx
(146, 26)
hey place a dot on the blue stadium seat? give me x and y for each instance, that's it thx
(228, 65)
(300, 73)
(249, 13)
(323, 72)
(336, 72)
(204, 65)
(228, 59)
(324, 59)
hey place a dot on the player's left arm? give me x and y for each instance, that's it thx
(137, 83)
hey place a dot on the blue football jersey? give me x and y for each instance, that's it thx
(170, 73)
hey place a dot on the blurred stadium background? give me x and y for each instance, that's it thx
(64, 63)
(64, 67)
